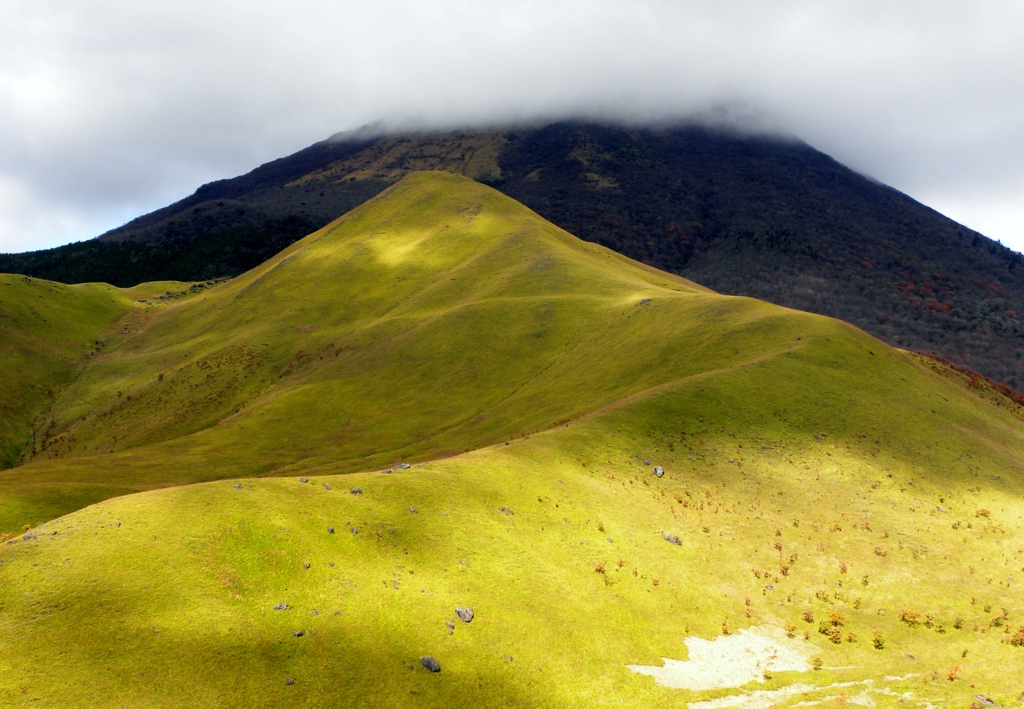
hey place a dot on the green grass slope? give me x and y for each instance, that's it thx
(47, 332)
(438, 318)
(833, 479)
(51, 333)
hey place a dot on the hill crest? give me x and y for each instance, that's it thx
(743, 215)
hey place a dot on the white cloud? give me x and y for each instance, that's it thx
(110, 108)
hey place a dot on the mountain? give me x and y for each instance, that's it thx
(746, 215)
(773, 500)
(332, 344)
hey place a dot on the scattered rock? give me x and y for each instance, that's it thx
(30, 538)
(387, 472)
(303, 480)
(430, 663)
(450, 624)
(356, 491)
(646, 462)
(402, 466)
(331, 564)
(769, 587)
(644, 301)
(305, 564)
(609, 539)
(355, 531)
(238, 486)
(506, 510)
(414, 510)
(984, 700)
(327, 487)
(464, 614)
(330, 530)
(281, 607)
(672, 538)
(315, 612)
(658, 471)
(289, 681)
(118, 525)
(298, 633)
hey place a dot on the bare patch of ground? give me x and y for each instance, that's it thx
(733, 660)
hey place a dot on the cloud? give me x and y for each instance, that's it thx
(111, 108)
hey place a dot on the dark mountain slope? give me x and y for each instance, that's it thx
(768, 218)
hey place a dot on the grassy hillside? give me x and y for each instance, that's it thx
(815, 481)
(830, 450)
(324, 353)
(47, 331)
(51, 333)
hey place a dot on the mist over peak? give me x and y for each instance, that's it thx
(114, 110)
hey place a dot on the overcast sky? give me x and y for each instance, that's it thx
(111, 108)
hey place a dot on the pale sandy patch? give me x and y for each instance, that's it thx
(732, 661)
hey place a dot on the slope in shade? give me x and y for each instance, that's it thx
(47, 331)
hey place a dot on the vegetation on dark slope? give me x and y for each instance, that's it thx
(772, 219)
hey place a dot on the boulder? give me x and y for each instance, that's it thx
(671, 538)
(658, 471)
(430, 663)
(464, 614)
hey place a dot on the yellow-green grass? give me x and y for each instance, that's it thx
(438, 318)
(444, 318)
(47, 331)
(869, 469)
